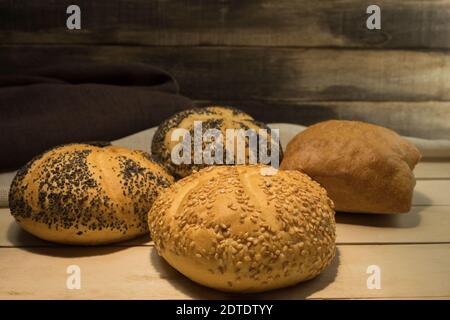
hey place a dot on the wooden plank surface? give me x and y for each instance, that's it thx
(412, 251)
(218, 73)
(326, 23)
(424, 119)
(288, 85)
(248, 73)
(406, 271)
(432, 170)
(432, 192)
(421, 225)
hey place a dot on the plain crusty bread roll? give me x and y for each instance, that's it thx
(363, 167)
(235, 228)
(85, 194)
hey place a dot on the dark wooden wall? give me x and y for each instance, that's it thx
(285, 61)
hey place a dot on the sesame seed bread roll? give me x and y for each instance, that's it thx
(85, 194)
(234, 229)
(364, 167)
(212, 117)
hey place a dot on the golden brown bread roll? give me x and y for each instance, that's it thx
(212, 117)
(233, 229)
(85, 194)
(364, 167)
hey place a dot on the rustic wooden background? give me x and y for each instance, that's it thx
(283, 61)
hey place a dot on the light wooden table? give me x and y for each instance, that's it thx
(412, 251)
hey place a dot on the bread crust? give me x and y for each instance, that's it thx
(234, 229)
(212, 117)
(86, 194)
(364, 167)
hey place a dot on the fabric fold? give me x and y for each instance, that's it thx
(77, 103)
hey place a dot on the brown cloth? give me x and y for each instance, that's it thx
(78, 103)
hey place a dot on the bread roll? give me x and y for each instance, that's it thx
(84, 194)
(212, 117)
(364, 167)
(234, 229)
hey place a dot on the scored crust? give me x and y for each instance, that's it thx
(84, 194)
(233, 229)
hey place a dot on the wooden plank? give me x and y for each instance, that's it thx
(405, 298)
(219, 73)
(425, 119)
(406, 271)
(432, 192)
(432, 170)
(326, 23)
(420, 225)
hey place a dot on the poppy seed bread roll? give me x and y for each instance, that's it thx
(85, 194)
(364, 168)
(234, 229)
(212, 117)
